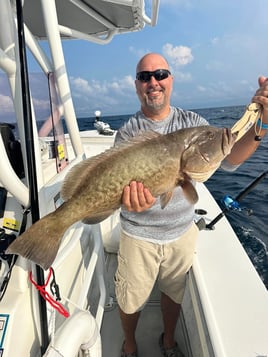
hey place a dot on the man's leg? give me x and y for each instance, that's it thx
(136, 274)
(170, 314)
(172, 280)
(129, 324)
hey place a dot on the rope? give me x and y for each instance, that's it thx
(55, 291)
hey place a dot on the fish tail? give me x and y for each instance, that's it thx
(40, 243)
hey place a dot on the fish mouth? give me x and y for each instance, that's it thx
(228, 140)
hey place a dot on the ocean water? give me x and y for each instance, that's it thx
(249, 221)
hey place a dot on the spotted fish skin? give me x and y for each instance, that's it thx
(92, 190)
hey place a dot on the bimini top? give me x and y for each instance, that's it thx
(94, 20)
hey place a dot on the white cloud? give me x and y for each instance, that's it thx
(178, 55)
(39, 97)
(81, 85)
(104, 95)
(41, 104)
(214, 41)
(123, 85)
(201, 89)
(182, 76)
(6, 104)
(95, 88)
(129, 81)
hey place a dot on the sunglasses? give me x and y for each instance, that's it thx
(159, 75)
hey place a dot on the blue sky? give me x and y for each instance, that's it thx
(216, 51)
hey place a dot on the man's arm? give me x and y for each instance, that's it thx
(247, 145)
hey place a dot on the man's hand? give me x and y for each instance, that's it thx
(261, 97)
(137, 198)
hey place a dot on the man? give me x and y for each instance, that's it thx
(159, 244)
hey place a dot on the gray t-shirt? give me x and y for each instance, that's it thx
(156, 224)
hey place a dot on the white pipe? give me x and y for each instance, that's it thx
(101, 274)
(6, 63)
(121, 2)
(6, 28)
(10, 180)
(155, 11)
(82, 36)
(78, 332)
(153, 20)
(52, 30)
(37, 51)
(95, 255)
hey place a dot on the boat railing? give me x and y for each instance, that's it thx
(97, 265)
(95, 268)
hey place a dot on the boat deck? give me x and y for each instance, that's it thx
(149, 327)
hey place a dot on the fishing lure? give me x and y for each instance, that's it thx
(249, 118)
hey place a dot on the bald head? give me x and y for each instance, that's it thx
(150, 61)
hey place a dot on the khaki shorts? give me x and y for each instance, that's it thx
(141, 264)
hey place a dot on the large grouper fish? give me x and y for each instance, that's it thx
(93, 188)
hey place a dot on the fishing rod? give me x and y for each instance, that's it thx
(30, 154)
(231, 203)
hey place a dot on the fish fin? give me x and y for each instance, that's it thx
(165, 198)
(98, 218)
(140, 136)
(40, 243)
(189, 191)
(79, 173)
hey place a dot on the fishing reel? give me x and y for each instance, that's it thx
(231, 204)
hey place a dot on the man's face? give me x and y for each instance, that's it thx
(154, 94)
